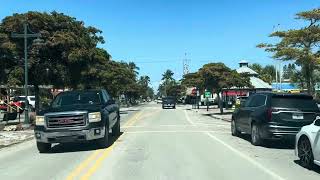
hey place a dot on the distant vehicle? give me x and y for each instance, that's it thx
(169, 101)
(77, 116)
(308, 144)
(159, 101)
(273, 116)
(240, 100)
(31, 100)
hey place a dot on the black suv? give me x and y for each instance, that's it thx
(169, 101)
(273, 116)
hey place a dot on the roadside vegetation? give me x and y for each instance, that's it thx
(67, 56)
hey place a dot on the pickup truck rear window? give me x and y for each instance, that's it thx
(292, 102)
(77, 98)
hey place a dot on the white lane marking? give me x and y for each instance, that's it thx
(169, 125)
(212, 124)
(168, 131)
(258, 165)
(188, 119)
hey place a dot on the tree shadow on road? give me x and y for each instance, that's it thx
(275, 144)
(85, 146)
(314, 168)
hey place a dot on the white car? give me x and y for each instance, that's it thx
(308, 144)
(31, 100)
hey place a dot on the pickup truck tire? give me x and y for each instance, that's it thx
(43, 147)
(104, 142)
(116, 127)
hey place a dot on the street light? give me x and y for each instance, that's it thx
(25, 36)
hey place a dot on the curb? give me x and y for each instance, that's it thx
(15, 143)
(213, 116)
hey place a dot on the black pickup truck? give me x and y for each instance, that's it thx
(77, 116)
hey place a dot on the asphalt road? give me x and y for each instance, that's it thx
(159, 144)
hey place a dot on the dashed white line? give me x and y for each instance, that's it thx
(188, 119)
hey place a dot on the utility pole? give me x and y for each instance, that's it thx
(276, 65)
(185, 63)
(280, 76)
(25, 36)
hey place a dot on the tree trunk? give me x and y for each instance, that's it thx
(312, 80)
(307, 76)
(220, 103)
(37, 98)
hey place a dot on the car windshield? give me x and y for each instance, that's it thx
(168, 98)
(76, 98)
(19, 99)
(32, 98)
(300, 103)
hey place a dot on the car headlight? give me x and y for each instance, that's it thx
(94, 117)
(40, 120)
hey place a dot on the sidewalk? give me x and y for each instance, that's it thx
(8, 138)
(214, 112)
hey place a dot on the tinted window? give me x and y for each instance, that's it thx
(19, 99)
(32, 98)
(75, 98)
(105, 96)
(257, 100)
(294, 102)
(248, 101)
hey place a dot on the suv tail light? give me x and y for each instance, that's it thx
(269, 113)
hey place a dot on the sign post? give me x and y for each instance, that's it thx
(207, 95)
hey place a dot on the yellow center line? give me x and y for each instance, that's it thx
(133, 120)
(107, 151)
(94, 155)
(97, 163)
(84, 164)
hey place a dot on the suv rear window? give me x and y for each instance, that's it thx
(294, 102)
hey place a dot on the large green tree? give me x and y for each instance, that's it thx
(68, 49)
(300, 45)
(218, 76)
(67, 57)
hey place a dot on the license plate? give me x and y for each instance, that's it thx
(297, 116)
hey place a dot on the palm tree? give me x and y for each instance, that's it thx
(134, 67)
(168, 75)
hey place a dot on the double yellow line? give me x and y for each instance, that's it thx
(97, 157)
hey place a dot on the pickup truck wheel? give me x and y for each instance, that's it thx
(104, 142)
(255, 135)
(116, 127)
(43, 147)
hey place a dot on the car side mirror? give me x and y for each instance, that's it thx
(46, 105)
(110, 101)
(317, 121)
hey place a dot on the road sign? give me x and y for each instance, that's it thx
(208, 94)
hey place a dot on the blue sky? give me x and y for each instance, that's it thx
(156, 34)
